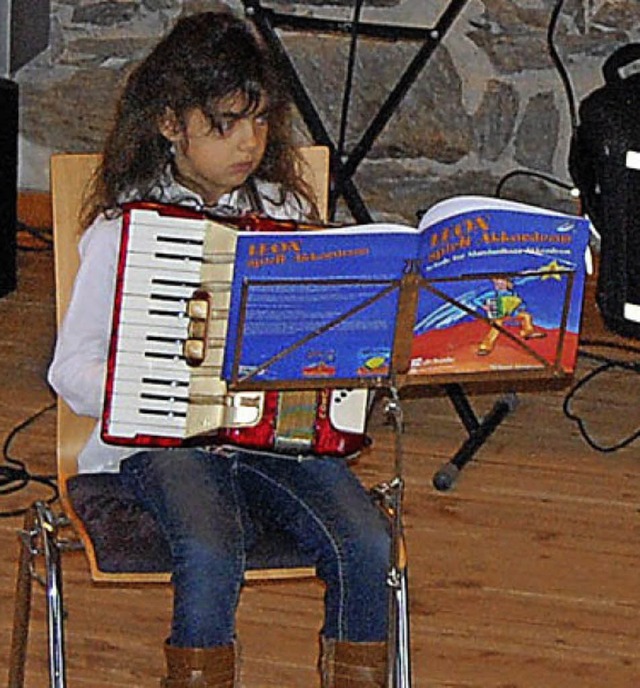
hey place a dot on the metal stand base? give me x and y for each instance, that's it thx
(479, 431)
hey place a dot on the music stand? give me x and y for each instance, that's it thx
(258, 365)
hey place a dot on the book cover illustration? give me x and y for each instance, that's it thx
(482, 286)
(504, 291)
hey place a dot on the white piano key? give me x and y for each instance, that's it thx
(161, 423)
(145, 361)
(163, 264)
(153, 324)
(140, 324)
(146, 304)
(150, 349)
(142, 242)
(136, 363)
(135, 404)
(141, 262)
(144, 365)
(153, 222)
(136, 385)
(142, 284)
(137, 425)
(187, 263)
(163, 380)
(191, 230)
(155, 419)
(179, 376)
(140, 336)
(146, 274)
(145, 355)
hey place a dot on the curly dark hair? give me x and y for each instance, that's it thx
(204, 59)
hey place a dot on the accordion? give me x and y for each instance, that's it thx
(167, 347)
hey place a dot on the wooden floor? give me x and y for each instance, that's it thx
(525, 575)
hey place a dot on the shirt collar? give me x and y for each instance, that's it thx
(169, 190)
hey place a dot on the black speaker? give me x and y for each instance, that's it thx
(8, 183)
(605, 165)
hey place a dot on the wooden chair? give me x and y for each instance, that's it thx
(122, 542)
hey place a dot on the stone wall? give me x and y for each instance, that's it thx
(490, 99)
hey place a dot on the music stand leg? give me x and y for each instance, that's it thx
(399, 662)
(479, 431)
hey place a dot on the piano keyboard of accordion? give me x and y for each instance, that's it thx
(173, 263)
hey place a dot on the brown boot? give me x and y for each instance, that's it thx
(195, 667)
(353, 665)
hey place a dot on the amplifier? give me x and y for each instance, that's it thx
(605, 165)
(8, 183)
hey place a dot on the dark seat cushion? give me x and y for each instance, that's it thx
(127, 539)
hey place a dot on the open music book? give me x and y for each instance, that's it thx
(482, 288)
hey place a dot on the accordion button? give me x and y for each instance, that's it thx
(194, 351)
(197, 329)
(198, 309)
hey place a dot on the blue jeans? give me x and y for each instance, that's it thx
(202, 500)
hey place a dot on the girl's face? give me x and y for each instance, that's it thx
(213, 160)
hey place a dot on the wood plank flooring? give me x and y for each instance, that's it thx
(523, 576)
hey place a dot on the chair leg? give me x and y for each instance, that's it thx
(53, 586)
(22, 605)
(40, 537)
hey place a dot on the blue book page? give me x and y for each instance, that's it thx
(316, 304)
(503, 288)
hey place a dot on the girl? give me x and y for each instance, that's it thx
(204, 122)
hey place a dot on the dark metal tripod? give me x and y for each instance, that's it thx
(343, 167)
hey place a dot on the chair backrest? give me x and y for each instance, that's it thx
(70, 175)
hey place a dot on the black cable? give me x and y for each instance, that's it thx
(571, 101)
(43, 236)
(606, 364)
(564, 76)
(530, 173)
(603, 343)
(16, 476)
